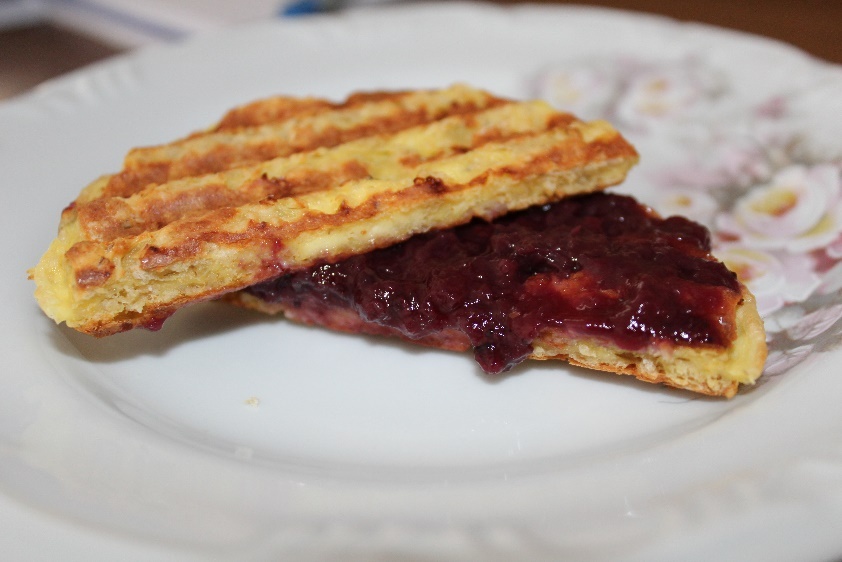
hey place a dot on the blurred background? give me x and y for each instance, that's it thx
(40, 39)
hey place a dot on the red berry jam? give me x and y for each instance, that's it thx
(600, 266)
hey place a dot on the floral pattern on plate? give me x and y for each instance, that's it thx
(743, 169)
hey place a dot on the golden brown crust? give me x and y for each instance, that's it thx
(129, 255)
(709, 370)
(106, 218)
(270, 110)
(280, 127)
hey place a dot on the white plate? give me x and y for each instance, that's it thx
(231, 436)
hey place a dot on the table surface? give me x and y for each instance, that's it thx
(38, 51)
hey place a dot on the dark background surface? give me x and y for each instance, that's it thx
(37, 51)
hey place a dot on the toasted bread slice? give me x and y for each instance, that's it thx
(281, 185)
(597, 280)
(713, 371)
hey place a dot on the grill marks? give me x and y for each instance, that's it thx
(383, 157)
(271, 110)
(141, 243)
(276, 128)
(287, 218)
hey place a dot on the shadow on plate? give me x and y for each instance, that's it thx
(212, 319)
(195, 323)
(199, 322)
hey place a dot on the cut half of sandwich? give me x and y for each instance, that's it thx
(281, 186)
(598, 280)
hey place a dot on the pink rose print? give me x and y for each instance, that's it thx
(775, 280)
(585, 88)
(799, 210)
(663, 94)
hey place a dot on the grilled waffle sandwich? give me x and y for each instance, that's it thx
(598, 280)
(249, 200)
(287, 184)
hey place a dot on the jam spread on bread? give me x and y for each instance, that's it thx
(599, 266)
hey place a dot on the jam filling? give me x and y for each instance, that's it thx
(600, 266)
